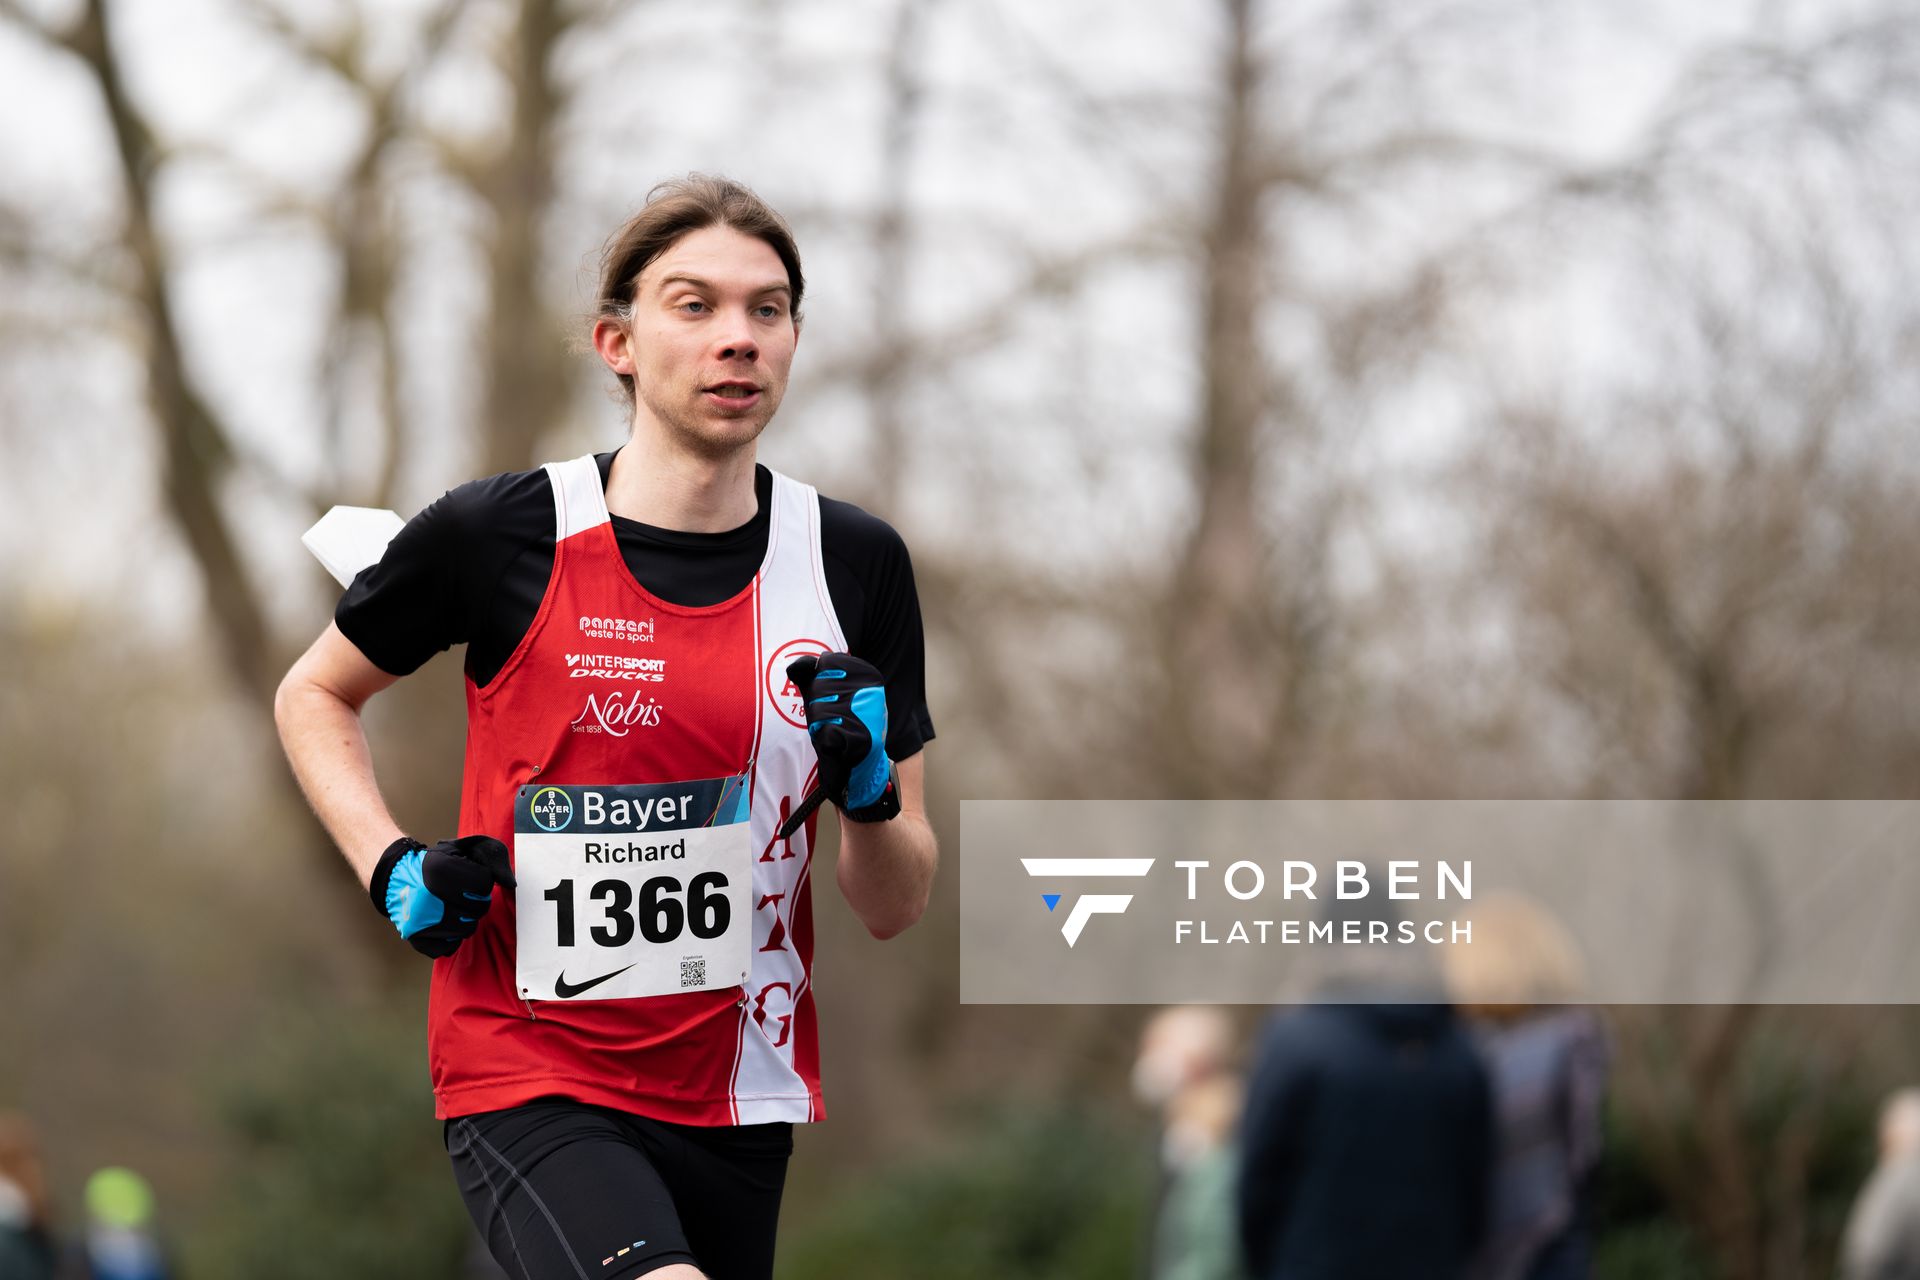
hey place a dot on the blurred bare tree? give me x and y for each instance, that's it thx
(523, 370)
(1177, 351)
(1707, 560)
(522, 375)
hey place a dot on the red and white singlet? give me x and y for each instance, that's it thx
(612, 685)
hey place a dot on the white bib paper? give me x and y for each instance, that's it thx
(348, 539)
(632, 890)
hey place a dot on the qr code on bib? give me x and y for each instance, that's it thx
(693, 971)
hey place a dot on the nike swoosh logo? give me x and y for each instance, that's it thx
(565, 990)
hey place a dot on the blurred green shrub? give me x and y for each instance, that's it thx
(338, 1168)
(1650, 1250)
(1025, 1192)
(1801, 1100)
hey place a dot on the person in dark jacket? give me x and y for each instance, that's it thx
(1366, 1141)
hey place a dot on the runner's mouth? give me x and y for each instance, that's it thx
(734, 395)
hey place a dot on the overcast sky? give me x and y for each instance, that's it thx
(787, 97)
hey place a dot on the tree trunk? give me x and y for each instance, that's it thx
(1219, 664)
(524, 383)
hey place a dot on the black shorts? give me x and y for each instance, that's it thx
(566, 1191)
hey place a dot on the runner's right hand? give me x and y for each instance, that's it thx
(435, 894)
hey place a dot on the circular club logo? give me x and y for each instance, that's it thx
(781, 692)
(552, 809)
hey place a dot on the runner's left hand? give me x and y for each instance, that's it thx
(846, 701)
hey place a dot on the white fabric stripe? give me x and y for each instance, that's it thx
(821, 592)
(781, 515)
(753, 781)
(579, 501)
(789, 609)
(739, 1048)
(557, 478)
(806, 983)
(759, 648)
(772, 1110)
(824, 594)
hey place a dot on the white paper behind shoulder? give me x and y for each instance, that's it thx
(348, 539)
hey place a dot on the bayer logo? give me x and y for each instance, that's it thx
(551, 808)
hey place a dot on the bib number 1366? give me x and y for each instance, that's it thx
(632, 890)
(661, 910)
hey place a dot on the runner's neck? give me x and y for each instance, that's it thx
(669, 488)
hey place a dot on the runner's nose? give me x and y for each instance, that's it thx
(737, 341)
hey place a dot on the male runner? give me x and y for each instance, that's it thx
(667, 647)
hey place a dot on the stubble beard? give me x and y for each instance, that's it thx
(694, 433)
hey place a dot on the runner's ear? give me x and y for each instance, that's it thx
(490, 854)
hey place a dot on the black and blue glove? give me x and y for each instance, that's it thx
(847, 720)
(435, 894)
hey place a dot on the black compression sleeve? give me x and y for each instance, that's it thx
(413, 603)
(470, 569)
(870, 577)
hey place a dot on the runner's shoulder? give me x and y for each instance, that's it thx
(476, 527)
(516, 503)
(855, 535)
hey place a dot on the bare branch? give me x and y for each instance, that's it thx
(885, 381)
(1433, 146)
(196, 443)
(1045, 277)
(88, 270)
(11, 11)
(271, 201)
(342, 55)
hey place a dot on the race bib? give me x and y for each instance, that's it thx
(630, 891)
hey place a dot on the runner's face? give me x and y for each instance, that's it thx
(713, 339)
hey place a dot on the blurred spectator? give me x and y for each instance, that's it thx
(26, 1233)
(121, 1243)
(1183, 1072)
(1883, 1234)
(1366, 1142)
(1548, 1063)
